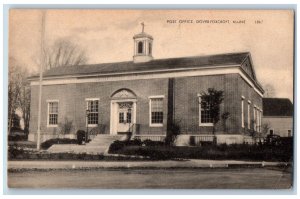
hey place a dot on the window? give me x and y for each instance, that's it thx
(121, 117)
(156, 111)
(259, 119)
(128, 117)
(140, 47)
(254, 118)
(248, 115)
(242, 107)
(52, 113)
(205, 118)
(93, 107)
(150, 48)
(271, 132)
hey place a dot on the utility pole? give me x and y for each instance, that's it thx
(38, 143)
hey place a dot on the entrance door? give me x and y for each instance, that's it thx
(124, 117)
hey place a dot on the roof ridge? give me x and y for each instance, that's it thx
(161, 59)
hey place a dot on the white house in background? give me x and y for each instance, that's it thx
(278, 114)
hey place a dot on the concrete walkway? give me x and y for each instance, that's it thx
(19, 165)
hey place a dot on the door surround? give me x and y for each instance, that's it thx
(114, 116)
(119, 96)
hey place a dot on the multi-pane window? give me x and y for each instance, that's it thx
(121, 117)
(205, 116)
(257, 119)
(93, 110)
(254, 118)
(258, 113)
(243, 117)
(128, 117)
(248, 115)
(156, 113)
(53, 113)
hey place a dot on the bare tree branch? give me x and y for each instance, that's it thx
(64, 53)
(18, 93)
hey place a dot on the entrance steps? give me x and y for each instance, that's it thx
(104, 140)
(99, 145)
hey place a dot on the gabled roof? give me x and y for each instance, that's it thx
(277, 107)
(158, 65)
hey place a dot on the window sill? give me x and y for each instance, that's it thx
(92, 125)
(156, 125)
(206, 124)
(52, 125)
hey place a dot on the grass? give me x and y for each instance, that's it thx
(23, 144)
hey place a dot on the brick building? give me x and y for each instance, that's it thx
(142, 96)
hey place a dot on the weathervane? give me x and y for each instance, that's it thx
(143, 26)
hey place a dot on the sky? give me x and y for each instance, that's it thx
(106, 36)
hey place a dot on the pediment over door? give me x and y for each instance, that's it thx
(123, 94)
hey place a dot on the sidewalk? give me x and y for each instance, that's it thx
(46, 165)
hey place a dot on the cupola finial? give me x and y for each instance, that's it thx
(143, 26)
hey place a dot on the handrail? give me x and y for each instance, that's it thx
(133, 128)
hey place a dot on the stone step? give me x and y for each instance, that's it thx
(104, 140)
(99, 145)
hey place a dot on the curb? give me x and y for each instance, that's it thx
(18, 166)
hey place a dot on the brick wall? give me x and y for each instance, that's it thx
(72, 103)
(187, 107)
(249, 94)
(187, 104)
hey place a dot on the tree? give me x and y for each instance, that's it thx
(210, 101)
(225, 117)
(265, 127)
(65, 127)
(172, 132)
(64, 53)
(16, 122)
(18, 93)
(269, 90)
(14, 89)
(24, 103)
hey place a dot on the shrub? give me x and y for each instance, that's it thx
(116, 145)
(192, 141)
(172, 132)
(80, 136)
(219, 152)
(65, 127)
(47, 144)
(134, 142)
(17, 137)
(14, 152)
(153, 143)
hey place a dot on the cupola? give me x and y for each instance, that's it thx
(143, 45)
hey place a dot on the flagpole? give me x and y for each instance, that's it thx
(38, 144)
